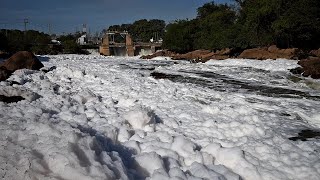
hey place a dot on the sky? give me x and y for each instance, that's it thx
(67, 16)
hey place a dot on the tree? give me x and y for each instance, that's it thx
(215, 29)
(180, 36)
(257, 18)
(3, 42)
(299, 24)
(69, 43)
(209, 8)
(141, 30)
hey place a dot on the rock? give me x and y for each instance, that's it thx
(297, 70)
(271, 52)
(225, 51)
(204, 55)
(4, 73)
(193, 55)
(311, 67)
(200, 55)
(315, 53)
(218, 55)
(46, 70)
(22, 60)
(159, 53)
(273, 49)
(10, 99)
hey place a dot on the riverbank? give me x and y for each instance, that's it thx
(310, 60)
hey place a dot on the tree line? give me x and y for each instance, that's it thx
(15, 40)
(142, 30)
(247, 24)
(37, 42)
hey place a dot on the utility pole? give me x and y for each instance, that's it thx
(25, 21)
(49, 28)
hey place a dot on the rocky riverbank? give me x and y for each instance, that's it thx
(309, 61)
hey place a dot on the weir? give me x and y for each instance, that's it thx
(110, 48)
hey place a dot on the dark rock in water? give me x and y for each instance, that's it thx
(297, 70)
(309, 67)
(11, 83)
(306, 134)
(10, 99)
(49, 69)
(22, 60)
(4, 73)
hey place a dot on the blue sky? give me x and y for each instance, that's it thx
(68, 16)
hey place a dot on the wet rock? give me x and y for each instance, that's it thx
(165, 53)
(22, 60)
(271, 52)
(306, 134)
(315, 53)
(297, 70)
(10, 99)
(309, 67)
(4, 73)
(46, 70)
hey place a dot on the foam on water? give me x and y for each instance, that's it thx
(107, 118)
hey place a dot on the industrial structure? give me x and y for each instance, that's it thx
(109, 47)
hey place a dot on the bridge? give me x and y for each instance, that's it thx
(109, 47)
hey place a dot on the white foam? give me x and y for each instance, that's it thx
(99, 117)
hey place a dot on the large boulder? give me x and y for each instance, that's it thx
(309, 67)
(271, 52)
(22, 60)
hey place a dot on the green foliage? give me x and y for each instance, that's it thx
(299, 24)
(209, 8)
(141, 30)
(257, 18)
(3, 42)
(180, 36)
(255, 23)
(16, 40)
(69, 43)
(71, 47)
(215, 29)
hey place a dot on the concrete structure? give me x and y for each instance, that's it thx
(108, 47)
(104, 49)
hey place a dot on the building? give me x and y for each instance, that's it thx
(82, 40)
